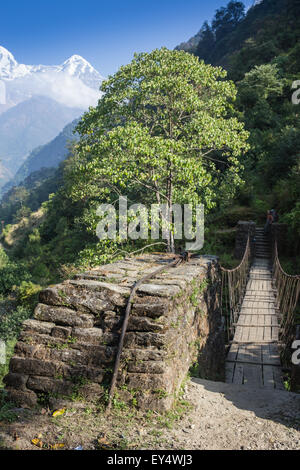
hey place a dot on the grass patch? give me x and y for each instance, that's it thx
(6, 412)
(10, 346)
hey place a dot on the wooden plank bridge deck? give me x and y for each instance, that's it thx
(253, 358)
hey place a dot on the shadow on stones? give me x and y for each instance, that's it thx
(211, 356)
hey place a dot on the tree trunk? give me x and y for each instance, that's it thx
(171, 244)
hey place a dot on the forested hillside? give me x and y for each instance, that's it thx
(261, 50)
(238, 41)
(49, 155)
(29, 125)
(231, 141)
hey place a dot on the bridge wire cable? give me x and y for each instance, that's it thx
(233, 288)
(287, 299)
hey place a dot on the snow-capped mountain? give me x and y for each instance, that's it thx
(74, 83)
(75, 66)
(38, 101)
(8, 64)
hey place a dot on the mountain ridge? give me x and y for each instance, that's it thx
(30, 124)
(11, 69)
(45, 156)
(38, 101)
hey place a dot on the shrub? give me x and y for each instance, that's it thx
(27, 293)
(10, 346)
(3, 258)
(11, 275)
(11, 323)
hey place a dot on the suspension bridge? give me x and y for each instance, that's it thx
(259, 301)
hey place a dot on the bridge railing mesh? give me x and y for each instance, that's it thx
(287, 301)
(233, 287)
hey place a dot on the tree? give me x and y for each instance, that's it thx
(262, 82)
(162, 130)
(227, 18)
(258, 94)
(19, 196)
(206, 43)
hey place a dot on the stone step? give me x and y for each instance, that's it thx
(263, 253)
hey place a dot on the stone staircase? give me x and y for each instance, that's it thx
(262, 244)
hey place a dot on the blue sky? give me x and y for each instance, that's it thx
(106, 33)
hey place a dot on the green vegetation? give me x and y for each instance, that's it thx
(260, 52)
(197, 290)
(164, 131)
(6, 411)
(170, 128)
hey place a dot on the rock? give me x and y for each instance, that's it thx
(28, 366)
(150, 401)
(143, 355)
(15, 380)
(94, 374)
(149, 308)
(146, 367)
(141, 339)
(91, 392)
(148, 382)
(135, 323)
(49, 385)
(95, 354)
(109, 294)
(35, 326)
(24, 399)
(63, 316)
(79, 299)
(61, 332)
(170, 282)
(88, 335)
(160, 290)
(146, 324)
(111, 321)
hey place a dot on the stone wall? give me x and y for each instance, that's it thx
(279, 233)
(70, 344)
(241, 238)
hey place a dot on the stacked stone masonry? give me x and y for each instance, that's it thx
(244, 229)
(71, 342)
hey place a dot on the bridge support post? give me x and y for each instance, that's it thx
(278, 232)
(244, 228)
(70, 345)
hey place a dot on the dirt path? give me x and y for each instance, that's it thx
(228, 416)
(223, 417)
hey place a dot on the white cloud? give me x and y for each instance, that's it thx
(59, 86)
(2, 92)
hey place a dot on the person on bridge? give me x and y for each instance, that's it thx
(274, 215)
(268, 222)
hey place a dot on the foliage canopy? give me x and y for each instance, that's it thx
(164, 129)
